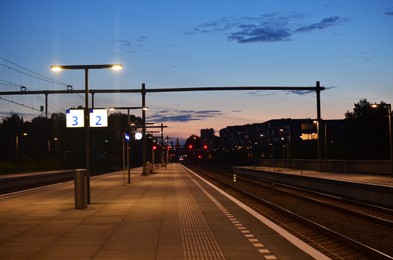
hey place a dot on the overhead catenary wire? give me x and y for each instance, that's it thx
(19, 104)
(34, 74)
(52, 105)
(25, 72)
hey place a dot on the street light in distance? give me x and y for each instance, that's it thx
(389, 107)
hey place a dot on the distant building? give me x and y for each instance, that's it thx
(278, 138)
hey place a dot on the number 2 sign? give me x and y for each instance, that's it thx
(98, 118)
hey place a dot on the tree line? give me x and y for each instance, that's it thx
(46, 144)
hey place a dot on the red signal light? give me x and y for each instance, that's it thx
(154, 147)
(190, 146)
(205, 147)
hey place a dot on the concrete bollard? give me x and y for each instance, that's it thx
(80, 188)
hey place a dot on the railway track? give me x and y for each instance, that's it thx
(20, 182)
(376, 214)
(337, 227)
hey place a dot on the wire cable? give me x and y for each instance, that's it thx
(37, 75)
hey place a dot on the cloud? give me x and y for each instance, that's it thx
(183, 115)
(300, 92)
(390, 13)
(265, 34)
(305, 92)
(323, 24)
(260, 93)
(265, 28)
(131, 46)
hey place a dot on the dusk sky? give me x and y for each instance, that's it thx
(346, 45)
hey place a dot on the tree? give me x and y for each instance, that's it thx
(367, 131)
(39, 132)
(10, 128)
(193, 142)
(364, 110)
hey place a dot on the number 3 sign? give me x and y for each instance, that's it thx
(75, 118)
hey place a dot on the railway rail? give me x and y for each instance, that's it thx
(340, 228)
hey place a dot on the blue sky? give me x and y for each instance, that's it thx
(346, 45)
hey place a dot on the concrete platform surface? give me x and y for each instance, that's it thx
(169, 215)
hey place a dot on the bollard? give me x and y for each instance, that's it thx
(80, 189)
(149, 167)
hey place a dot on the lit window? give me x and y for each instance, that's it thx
(311, 136)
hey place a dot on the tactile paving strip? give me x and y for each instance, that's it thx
(198, 241)
(247, 234)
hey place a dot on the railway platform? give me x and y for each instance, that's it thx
(366, 188)
(363, 178)
(169, 215)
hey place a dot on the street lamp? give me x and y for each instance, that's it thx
(86, 109)
(128, 143)
(389, 107)
(317, 122)
(17, 149)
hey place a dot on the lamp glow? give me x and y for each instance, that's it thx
(56, 68)
(117, 67)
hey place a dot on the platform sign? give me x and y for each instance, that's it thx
(98, 117)
(75, 118)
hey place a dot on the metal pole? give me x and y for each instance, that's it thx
(326, 144)
(46, 104)
(390, 138)
(92, 146)
(49, 149)
(87, 135)
(153, 157)
(17, 152)
(162, 144)
(124, 166)
(128, 146)
(92, 99)
(167, 152)
(318, 91)
(144, 144)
